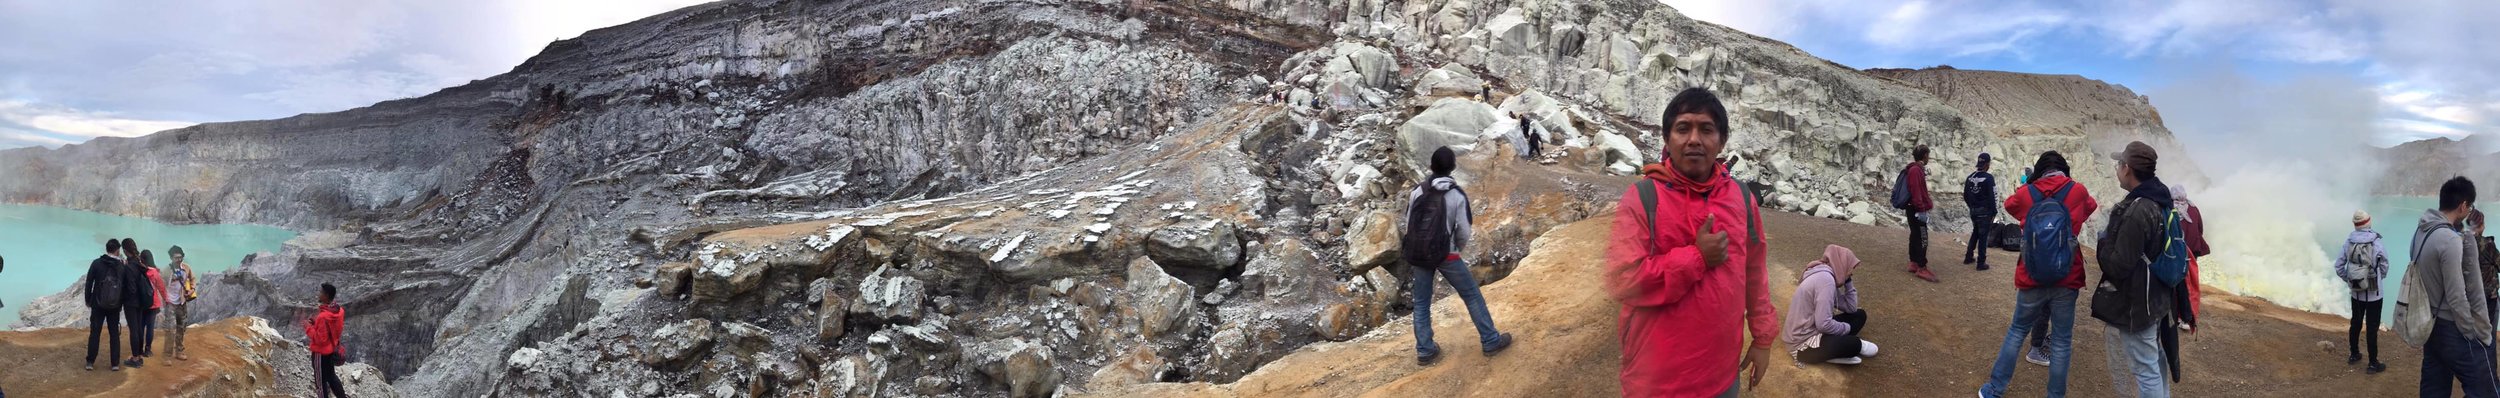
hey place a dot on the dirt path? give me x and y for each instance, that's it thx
(1939, 339)
(49, 362)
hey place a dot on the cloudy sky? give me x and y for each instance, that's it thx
(2418, 68)
(74, 70)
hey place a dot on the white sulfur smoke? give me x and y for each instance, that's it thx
(2292, 159)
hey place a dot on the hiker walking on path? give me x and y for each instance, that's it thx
(1686, 258)
(1979, 192)
(1438, 223)
(138, 299)
(1909, 194)
(103, 293)
(321, 335)
(2362, 265)
(2053, 209)
(2132, 300)
(1536, 141)
(1824, 320)
(2457, 345)
(179, 293)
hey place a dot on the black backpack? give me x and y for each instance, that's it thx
(105, 290)
(1427, 241)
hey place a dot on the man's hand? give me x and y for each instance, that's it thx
(1713, 244)
(1757, 361)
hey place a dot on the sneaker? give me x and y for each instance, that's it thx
(1983, 266)
(90, 366)
(2036, 358)
(1427, 360)
(1966, 261)
(1846, 360)
(1498, 345)
(1923, 273)
(1866, 349)
(2375, 368)
(2355, 359)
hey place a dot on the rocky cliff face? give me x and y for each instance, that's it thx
(769, 198)
(2418, 168)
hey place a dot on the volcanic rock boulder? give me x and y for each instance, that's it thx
(676, 344)
(1198, 253)
(1023, 366)
(1162, 303)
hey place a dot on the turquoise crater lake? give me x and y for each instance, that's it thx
(47, 248)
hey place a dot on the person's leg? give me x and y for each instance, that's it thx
(1976, 250)
(2371, 328)
(1422, 288)
(95, 329)
(1855, 319)
(2142, 360)
(182, 315)
(2352, 334)
(2028, 304)
(1833, 346)
(1455, 273)
(2061, 338)
(330, 374)
(132, 317)
(2437, 369)
(1918, 240)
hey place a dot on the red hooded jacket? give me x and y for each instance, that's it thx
(159, 281)
(1917, 174)
(2079, 207)
(323, 331)
(1683, 322)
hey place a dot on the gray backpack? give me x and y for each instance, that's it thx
(2361, 262)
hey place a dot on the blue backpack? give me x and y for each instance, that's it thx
(2171, 266)
(2048, 237)
(1901, 190)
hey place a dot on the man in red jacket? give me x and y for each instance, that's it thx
(1687, 262)
(2044, 304)
(322, 334)
(1920, 204)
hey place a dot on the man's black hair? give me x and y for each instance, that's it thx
(2049, 161)
(129, 245)
(2456, 192)
(329, 292)
(176, 251)
(1443, 161)
(1919, 153)
(1697, 100)
(113, 246)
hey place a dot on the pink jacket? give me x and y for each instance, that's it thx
(1683, 321)
(1820, 292)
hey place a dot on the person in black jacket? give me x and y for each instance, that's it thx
(137, 296)
(1980, 193)
(2128, 301)
(103, 291)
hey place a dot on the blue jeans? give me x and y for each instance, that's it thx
(2135, 360)
(1455, 271)
(2449, 355)
(2057, 305)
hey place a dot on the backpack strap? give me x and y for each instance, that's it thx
(1649, 206)
(1753, 214)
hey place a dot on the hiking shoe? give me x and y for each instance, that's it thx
(2352, 360)
(2375, 368)
(1427, 360)
(2036, 358)
(90, 366)
(1966, 261)
(1846, 360)
(1983, 266)
(1866, 348)
(1498, 345)
(1923, 273)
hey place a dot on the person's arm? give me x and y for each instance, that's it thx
(1821, 315)
(2122, 252)
(1639, 274)
(1462, 221)
(2018, 205)
(2337, 262)
(2380, 273)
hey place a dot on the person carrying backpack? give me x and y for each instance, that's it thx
(2362, 265)
(1979, 192)
(1687, 260)
(138, 299)
(1437, 227)
(2442, 308)
(2052, 208)
(103, 294)
(1909, 193)
(321, 336)
(2134, 298)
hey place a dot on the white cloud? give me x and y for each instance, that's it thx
(81, 124)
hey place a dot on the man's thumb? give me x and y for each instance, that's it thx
(1709, 223)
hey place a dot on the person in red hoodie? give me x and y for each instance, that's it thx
(1916, 176)
(156, 303)
(322, 334)
(1687, 263)
(2044, 304)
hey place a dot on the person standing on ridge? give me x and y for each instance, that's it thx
(2457, 351)
(138, 295)
(321, 335)
(1687, 260)
(1911, 196)
(1437, 228)
(2052, 208)
(2129, 300)
(2363, 265)
(179, 295)
(1979, 191)
(103, 293)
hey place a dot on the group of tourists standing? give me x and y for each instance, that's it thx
(2446, 304)
(124, 286)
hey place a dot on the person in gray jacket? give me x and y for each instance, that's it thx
(2459, 347)
(1452, 268)
(2363, 265)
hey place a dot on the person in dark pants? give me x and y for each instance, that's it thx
(2362, 265)
(104, 303)
(137, 296)
(1919, 204)
(1979, 191)
(322, 333)
(2458, 352)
